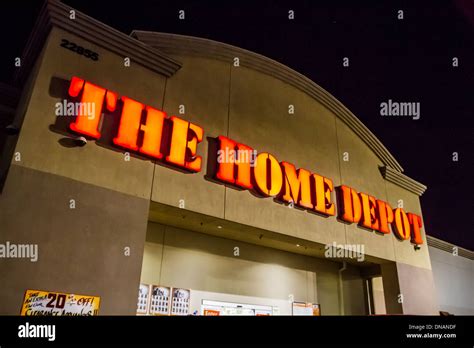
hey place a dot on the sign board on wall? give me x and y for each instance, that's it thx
(180, 301)
(143, 296)
(218, 308)
(211, 313)
(160, 300)
(306, 309)
(174, 141)
(38, 302)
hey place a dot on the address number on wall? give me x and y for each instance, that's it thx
(79, 50)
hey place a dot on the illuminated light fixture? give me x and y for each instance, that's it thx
(219, 226)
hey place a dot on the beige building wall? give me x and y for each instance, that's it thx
(113, 195)
(378, 295)
(454, 278)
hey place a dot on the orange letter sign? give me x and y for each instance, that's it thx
(130, 125)
(268, 175)
(416, 224)
(228, 164)
(89, 124)
(184, 139)
(351, 207)
(297, 188)
(402, 225)
(323, 188)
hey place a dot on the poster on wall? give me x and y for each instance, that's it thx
(38, 302)
(216, 308)
(305, 308)
(143, 296)
(160, 300)
(180, 301)
(302, 308)
(211, 312)
(316, 309)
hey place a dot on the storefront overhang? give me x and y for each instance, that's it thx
(189, 220)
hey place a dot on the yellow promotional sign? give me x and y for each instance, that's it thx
(48, 303)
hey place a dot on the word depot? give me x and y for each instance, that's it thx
(148, 131)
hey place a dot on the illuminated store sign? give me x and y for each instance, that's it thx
(150, 132)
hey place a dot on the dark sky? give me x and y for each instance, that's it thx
(407, 60)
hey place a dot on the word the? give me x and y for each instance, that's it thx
(181, 142)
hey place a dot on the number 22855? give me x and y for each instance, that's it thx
(79, 49)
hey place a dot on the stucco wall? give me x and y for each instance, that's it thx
(454, 280)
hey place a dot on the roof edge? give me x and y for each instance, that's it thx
(189, 45)
(449, 247)
(56, 14)
(402, 180)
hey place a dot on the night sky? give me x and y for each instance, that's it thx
(407, 60)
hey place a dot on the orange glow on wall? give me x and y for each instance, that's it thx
(184, 139)
(402, 225)
(369, 215)
(323, 189)
(416, 224)
(385, 215)
(233, 171)
(268, 174)
(91, 94)
(351, 207)
(297, 186)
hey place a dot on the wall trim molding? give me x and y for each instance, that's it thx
(194, 46)
(448, 247)
(402, 180)
(56, 14)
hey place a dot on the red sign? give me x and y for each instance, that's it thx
(184, 136)
(142, 130)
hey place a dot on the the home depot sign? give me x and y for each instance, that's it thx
(150, 132)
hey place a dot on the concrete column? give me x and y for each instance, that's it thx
(409, 289)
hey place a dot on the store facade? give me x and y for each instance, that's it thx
(124, 173)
